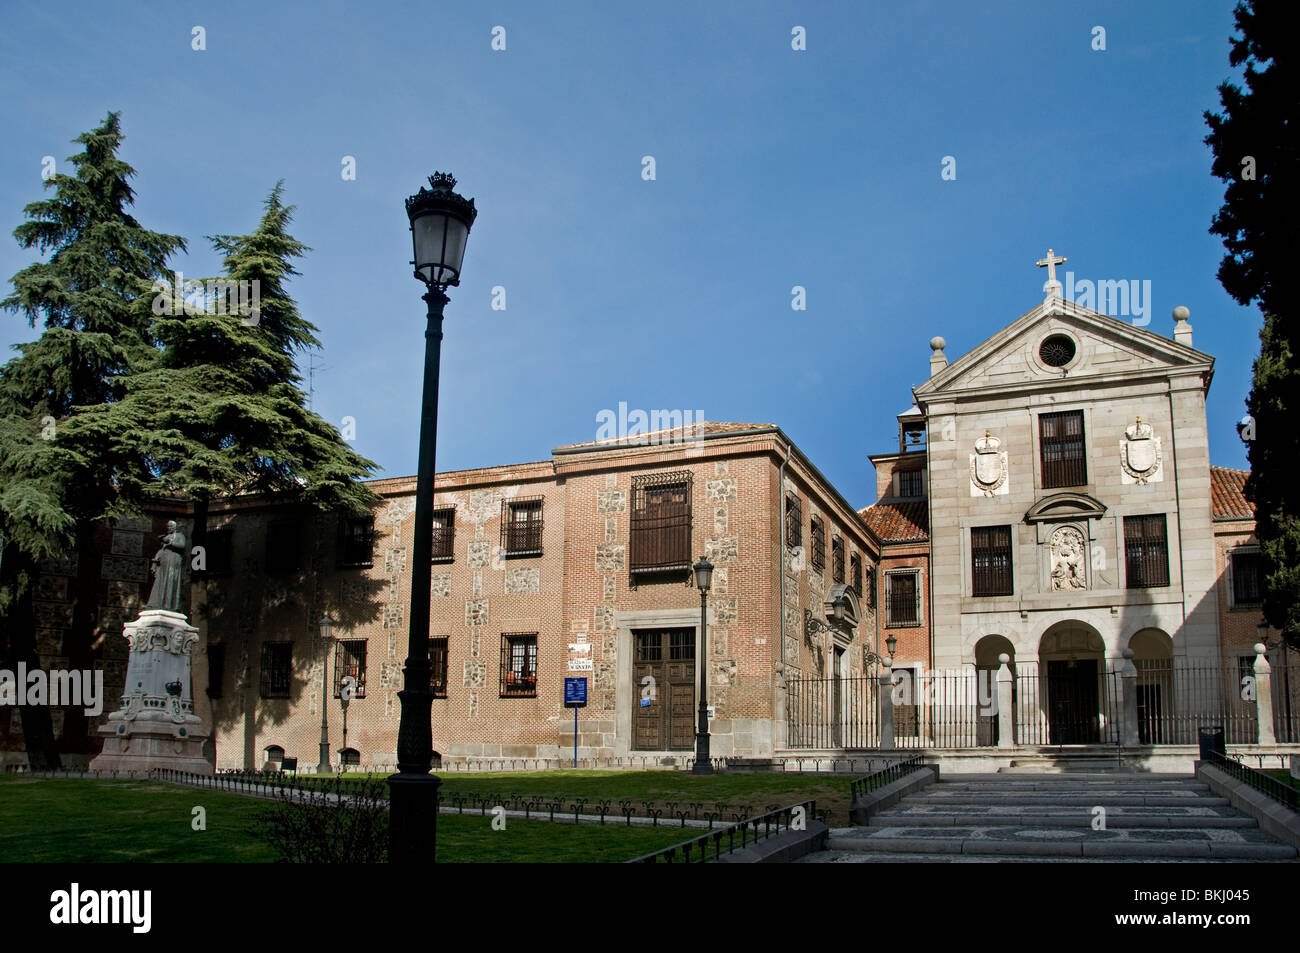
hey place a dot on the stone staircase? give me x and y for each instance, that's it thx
(1049, 818)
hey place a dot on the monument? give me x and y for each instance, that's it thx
(156, 726)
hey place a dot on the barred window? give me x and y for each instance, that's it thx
(870, 592)
(1247, 578)
(990, 558)
(837, 559)
(356, 542)
(1061, 449)
(283, 546)
(438, 667)
(277, 669)
(444, 534)
(660, 537)
(521, 526)
(855, 573)
(216, 668)
(818, 555)
(681, 645)
(793, 520)
(519, 665)
(1146, 551)
(910, 483)
(350, 659)
(902, 599)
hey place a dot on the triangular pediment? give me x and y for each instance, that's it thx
(1102, 346)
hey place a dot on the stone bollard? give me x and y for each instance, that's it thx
(1006, 703)
(1128, 700)
(1264, 695)
(886, 693)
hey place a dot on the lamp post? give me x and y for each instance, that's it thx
(440, 223)
(703, 579)
(326, 628)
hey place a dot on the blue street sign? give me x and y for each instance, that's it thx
(575, 691)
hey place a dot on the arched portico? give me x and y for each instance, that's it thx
(1072, 683)
(1153, 657)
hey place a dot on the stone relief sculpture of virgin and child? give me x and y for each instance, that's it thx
(168, 568)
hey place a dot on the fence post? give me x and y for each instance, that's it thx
(886, 696)
(1006, 705)
(1264, 695)
(1128, 701)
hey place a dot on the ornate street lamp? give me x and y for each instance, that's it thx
(326, 630)
(440, 223)
(703, 580)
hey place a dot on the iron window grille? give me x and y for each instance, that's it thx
(681, 645)
(1061, 449)
(218, 551)
(1247, 578)
(649, 647)
(216, 668)
(793, 520)
(990, 560)
(356, 542)
(871, 587)
(902, 599)
(818, 555)
(350, 659)
(660, 539)
(910, 483)
(283, 546)
(1146, 551)
(855, 572)
(438, 667)
(521, 526)
(837, 559)
(519, 665)
(277, 669)
(444, 534)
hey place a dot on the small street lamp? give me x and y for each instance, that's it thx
(703, 580)
(326, 630)
(440, 221)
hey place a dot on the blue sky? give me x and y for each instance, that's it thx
(775, 168)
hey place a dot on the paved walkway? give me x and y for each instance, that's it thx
(1050, 818)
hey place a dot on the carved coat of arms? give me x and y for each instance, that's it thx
(1139, 453)
(988, 467)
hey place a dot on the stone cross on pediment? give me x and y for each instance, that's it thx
(1052, 288)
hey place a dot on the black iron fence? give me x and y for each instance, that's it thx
(752, 831)
(1054, 702)
(1282, 791)
(886, 775)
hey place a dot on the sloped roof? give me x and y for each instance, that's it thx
(1227, 494)
(898, 521)
(670, 435)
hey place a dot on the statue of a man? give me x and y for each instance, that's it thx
(168, 568)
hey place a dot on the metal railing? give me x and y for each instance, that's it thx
(771, 823)
(885, 775)
(1280, 791)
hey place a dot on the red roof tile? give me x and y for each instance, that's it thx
(1226, 494)
(901, 521)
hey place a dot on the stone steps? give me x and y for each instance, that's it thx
(1049, 818)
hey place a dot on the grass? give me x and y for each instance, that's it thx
(90, 821)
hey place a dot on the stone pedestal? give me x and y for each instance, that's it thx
(156, 726)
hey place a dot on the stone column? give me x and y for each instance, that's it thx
(1128, 701)
(1006, 703)
(885, 686)
(1264, 695)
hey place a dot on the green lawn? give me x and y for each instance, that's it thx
(88, 821)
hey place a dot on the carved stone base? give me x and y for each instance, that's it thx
(151, 740)
(156, 726)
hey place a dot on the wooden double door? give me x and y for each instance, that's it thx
(663, 683)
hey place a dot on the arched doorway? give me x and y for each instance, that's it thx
(1153, 657)
(1073, 669)
(988, 652)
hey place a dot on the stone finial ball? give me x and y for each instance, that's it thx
(1181, 313)
(937, 343)
(1260, 648)
(1004, 658)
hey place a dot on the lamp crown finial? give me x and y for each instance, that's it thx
(443, 180)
